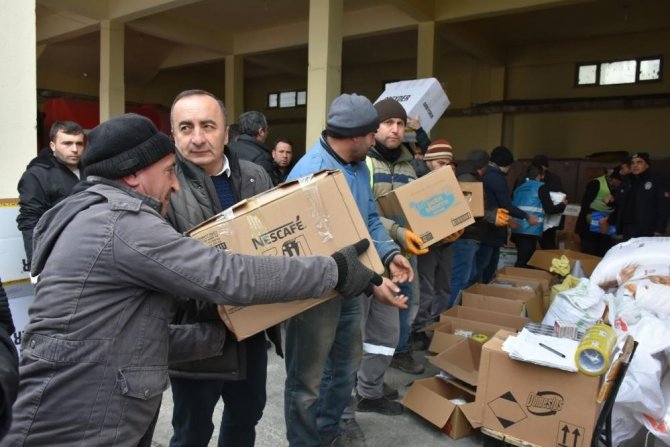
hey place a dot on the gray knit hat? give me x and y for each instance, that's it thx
(123, 145)
(351, 115)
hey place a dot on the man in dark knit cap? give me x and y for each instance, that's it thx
(323, 344)
(95, 352)
(464, 268)
(497, 196)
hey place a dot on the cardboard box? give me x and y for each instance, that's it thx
(531, 277)
(474, 195)
(500, 298)
(540, 405)
(299, 218)
(485, 316)
(424, 98)
(431, 399)
(432, 206)
(542, 259)
(461, 360)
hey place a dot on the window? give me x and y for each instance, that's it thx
(620, 72)
(287, 99)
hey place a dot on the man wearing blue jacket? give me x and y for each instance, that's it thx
(323, 344)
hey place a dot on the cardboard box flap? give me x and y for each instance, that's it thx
(486, 316)
(460, 360)
(497, 304)
(424, 398)
(532, 299)
(545, 278)
(474, 195)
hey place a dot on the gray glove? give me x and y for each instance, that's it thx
(353, 277)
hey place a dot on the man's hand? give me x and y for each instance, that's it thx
(410, 242)
(454, 236)
(502, 217)
(352, 276)
(400, 269)
(413, 122)
(532, 219)
(388, 293)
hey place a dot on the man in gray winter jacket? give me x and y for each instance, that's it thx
(95, 352)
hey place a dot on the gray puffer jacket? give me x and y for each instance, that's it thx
(95, 352)
(195, 202)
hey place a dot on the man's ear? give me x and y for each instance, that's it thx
(129, 180)
(52, 145)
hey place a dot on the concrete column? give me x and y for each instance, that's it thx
(18, 142)
(112, 85)
(234, 87)
(324, 72)
(426, 50)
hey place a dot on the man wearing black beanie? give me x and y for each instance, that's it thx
(94, 355)
(497, 195)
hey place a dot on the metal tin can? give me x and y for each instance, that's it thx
(594, 353)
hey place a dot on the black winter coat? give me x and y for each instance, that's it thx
(45, 182)
(249, 148)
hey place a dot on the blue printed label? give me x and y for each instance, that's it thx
(435, 205)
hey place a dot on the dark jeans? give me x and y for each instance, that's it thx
(487, 263)
(463, 267)
(244, 401)
(595, 244)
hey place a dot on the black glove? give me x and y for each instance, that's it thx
(352, 276)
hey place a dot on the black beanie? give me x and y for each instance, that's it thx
(502, 156)
(478, 157)
(123, 145)
(643, 155)
(390, 108)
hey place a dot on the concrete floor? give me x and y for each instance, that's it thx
(407, 429)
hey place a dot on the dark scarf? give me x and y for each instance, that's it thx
(390, 155)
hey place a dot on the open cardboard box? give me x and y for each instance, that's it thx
(445, 333)
(513, 281)
(506, 299)
(541, 405)
(431, 398)
(315, 215)
(432, 206)
(542, 259)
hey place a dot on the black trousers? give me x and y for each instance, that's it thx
(525, 247)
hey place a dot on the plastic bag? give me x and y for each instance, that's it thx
(582, 305)
(634, 259)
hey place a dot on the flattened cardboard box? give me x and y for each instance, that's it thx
(316, 215)
(542, 259)
(540, 405)
(432, 206)
(431, 399)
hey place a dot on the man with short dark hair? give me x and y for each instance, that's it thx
(49, 178)
(212, 179)
(95, 353)
(282, 155)
(250, 144)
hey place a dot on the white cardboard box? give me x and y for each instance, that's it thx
(422, 97)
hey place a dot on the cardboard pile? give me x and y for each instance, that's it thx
(316, 215)
(433, 206)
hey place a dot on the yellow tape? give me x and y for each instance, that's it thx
(481, 338)
(594, 353)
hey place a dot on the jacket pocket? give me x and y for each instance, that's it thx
(142, 382)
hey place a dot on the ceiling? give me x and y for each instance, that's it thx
(159, 37)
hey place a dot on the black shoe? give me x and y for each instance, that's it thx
(420, 341)
(406, 363)
(389, 392)
(381, 405)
